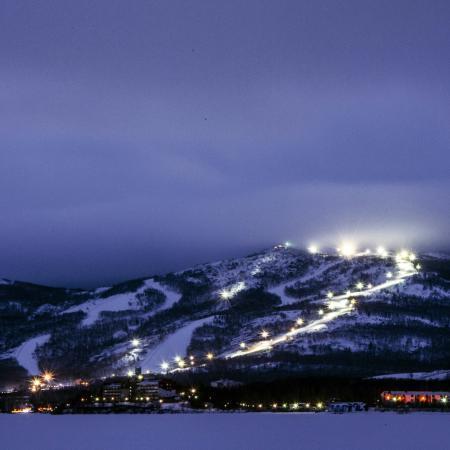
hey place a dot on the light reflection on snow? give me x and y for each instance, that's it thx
(231, 291)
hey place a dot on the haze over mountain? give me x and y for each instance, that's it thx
(145, 138)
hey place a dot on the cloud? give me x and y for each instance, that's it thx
(139, 138)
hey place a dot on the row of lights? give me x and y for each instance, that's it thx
(421, 399)
(179, 361)
(112, 399)
(292, 406)
(182, 363)
(349, 249)
(265, 334)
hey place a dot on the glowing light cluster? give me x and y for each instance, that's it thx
(42, 382)
(36, 382)
(337, 304)
(48, 376)
(347, 249)
(228, 293)
(313, 249)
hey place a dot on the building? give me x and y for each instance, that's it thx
(346, 407)
(15, 402)
(225, 384)
(415, 397)
(115, 392)
(147, 390)
(140, 388)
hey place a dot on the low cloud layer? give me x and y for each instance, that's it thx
(146, 138)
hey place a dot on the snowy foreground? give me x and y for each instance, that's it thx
(251, 431)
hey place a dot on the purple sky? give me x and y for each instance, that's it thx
(138, 137)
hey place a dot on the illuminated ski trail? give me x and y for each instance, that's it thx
(340, 305)
(333, 308)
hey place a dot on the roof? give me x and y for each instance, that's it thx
(148, 383)
(417, 393)
(112, 385)
(345, 403)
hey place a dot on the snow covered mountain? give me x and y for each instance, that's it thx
(282, 309)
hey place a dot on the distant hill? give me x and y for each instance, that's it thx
(280, 310)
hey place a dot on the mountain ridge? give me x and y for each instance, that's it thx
(254, 306)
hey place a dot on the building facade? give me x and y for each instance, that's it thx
(415, 397)
(147, 390)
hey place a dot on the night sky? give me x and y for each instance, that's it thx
(138, 137)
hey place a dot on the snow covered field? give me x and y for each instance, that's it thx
(25, 353)
(251, 431)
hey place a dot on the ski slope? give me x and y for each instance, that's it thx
(25, 353)
(312, 274)
(121, 302)
(174, 345)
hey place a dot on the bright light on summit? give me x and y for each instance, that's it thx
(347, 249)
(313, 249)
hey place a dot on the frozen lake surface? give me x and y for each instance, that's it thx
(248, 431)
